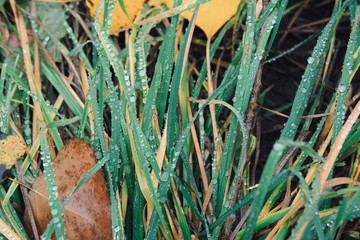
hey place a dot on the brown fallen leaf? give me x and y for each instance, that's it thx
(87, 215)
(14, 40)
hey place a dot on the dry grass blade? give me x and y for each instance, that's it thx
(326, 168)
(335, 149)
(7, 231)
(29, 68)
(203, 131)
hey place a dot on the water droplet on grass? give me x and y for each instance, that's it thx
(342, 88)
(98, 154)
(164, 176)
(278, 147)
(310, 60)
(54, 211)
(56, 220)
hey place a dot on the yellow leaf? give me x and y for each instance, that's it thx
(119, 19)
(155, 3)
(212, 15)
(11, 149)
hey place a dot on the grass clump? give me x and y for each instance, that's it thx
(175, 118)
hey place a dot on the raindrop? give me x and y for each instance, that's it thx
(54, 211)
(98, 154)
(142, 73)
(27, 131)
(164, 176)
(278, 147)
(310, 60)
(342, 88)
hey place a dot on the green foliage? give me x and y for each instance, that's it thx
(55, 26)
(176, 167)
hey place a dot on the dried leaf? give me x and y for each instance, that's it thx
(119, 19)
(14, 40)
(155, 3)
(87, 215)
(4, 30)
(258, 9)
(11, 149)
(212, 15)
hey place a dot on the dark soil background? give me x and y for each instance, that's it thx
(281, 78)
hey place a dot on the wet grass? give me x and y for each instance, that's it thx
(176, 132)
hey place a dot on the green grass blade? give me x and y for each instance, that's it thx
(347, 71)
(300, 102)
(54, 202)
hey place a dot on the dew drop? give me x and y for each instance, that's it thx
(164, 176)
(98, 154)
(310, 60)
(54, 211)
(342, 88)
(278, 147)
